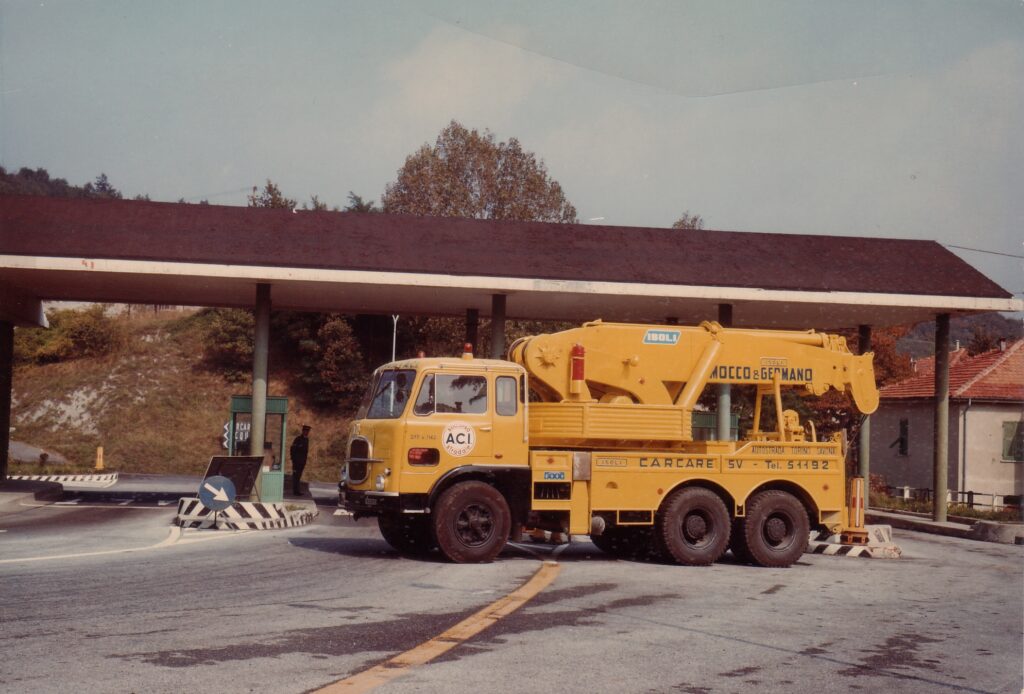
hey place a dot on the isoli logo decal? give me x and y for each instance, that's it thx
(661, 337)
(459, 439)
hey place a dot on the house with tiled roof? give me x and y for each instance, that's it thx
(986, 425)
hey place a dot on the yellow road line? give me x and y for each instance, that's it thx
(467, 628)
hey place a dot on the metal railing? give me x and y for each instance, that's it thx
(971, 499)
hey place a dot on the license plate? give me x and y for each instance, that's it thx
(371, 501)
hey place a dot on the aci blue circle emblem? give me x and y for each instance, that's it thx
(217, 493)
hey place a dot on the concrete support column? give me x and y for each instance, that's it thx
(498, 326)
(864, 437)
(941, 452)
(261, 349)
(472, 327)
(6, 383)
(724, 389)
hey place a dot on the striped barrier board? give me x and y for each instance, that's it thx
(241, 515)
(100, 481)
(879, 546)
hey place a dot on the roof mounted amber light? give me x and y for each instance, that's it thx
(467, 351)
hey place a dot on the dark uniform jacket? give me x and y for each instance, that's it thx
(299, 450)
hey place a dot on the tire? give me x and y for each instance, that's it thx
(409, 534)
(776, 529)
(624, 543)
(693, 526)
(471, 522)
(738, 543)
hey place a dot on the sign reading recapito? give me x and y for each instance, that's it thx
(458, 439)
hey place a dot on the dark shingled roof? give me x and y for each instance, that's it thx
(134, 230)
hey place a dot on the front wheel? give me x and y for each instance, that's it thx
(471, 522)
(776, 529)
(693, 526)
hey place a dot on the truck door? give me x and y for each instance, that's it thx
(453, 414)
(510, 434)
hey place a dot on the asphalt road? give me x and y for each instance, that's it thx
(102, 595)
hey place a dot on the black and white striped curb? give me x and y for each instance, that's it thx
(103, 481)
(879, 546)
(242, 515)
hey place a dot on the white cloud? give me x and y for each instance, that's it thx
(478, 81)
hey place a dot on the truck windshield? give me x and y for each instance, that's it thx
(389, 394)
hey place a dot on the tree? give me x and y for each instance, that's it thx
(357, 204)
(689, 221)
(469, 174)
(38, 182)
(101, 188)
(315, 204)
(270, 196)
(982, 340)
(340, 363)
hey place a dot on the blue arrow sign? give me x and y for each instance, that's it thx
(217, 493)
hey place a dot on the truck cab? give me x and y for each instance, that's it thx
(426, 425)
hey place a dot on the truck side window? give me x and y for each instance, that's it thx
(448, 393)
(425, 400)
(505, 399)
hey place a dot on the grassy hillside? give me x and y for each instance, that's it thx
(153, 405)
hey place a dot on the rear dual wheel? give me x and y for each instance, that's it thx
(624, 542)
(693, 526)
(775, 531)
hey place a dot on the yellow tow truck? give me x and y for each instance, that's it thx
(589, 432)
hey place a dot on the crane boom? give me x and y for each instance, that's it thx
(670, 365)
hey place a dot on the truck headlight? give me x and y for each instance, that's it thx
(379, 481)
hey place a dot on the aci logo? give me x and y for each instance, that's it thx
(661, 337)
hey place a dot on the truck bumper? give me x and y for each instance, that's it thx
(366, 503)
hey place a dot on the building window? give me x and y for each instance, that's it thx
(902, 444)
(1013, 442)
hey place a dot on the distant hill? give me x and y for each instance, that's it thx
(154, 405)
(920, 341)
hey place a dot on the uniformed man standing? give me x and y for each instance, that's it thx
(299, 451)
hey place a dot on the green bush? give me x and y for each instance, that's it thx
(72, 334)
(227, 338)
(340, 364)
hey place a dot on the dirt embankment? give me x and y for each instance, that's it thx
(154, 406)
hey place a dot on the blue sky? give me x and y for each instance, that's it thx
(898, 119)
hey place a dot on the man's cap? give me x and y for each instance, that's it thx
(306, 427)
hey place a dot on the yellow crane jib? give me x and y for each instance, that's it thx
(670, 365)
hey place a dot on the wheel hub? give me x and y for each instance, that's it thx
(474, 525)
(695, 527)
(775, 530)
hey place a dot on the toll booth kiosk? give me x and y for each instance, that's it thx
(270, 483)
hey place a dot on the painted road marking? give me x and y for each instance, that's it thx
(63, 504)
(173, 538)
(69, 503)
(467, 628)
(125, 502)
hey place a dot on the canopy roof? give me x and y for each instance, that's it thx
(207, 255)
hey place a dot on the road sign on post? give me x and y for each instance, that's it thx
(217, 493)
